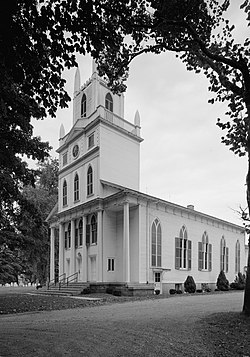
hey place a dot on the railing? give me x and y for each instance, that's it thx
(59, 279)
(70, 279)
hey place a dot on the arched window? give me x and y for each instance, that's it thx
(76, 187)
(83, 105)
(156, 243)
(91, 230)
(237, 257)
(89, 181)
(204, 253)
(109, 102)
(183, 250)
(64, 193)
(80, 232)
(223, 255)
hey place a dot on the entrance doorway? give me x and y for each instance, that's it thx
(157, 281)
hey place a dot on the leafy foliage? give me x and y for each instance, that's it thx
(189, 285)
(37, 41)
(25, 248)
(222, 282)
(239, 282)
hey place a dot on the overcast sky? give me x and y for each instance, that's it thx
(182, 157)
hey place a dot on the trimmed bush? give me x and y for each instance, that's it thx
(239, 282)
(178, 291)
(172, 291)
(86, 291)
(157, 292)
(199, 290)
(110, 290)
(222, 282)
(189, 285)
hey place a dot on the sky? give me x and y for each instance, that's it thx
(182, 158)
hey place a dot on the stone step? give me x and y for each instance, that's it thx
(70, 289)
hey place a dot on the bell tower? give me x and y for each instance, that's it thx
(100, 147)
(93, 94)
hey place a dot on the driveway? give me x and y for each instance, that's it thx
(164, 327)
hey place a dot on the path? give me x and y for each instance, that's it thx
(165, 327)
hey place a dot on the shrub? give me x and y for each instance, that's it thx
(199, 290)
(239, 282)
(172, 291)
(157, 292)
(109, 290)
(222, 282)
(189, 285)
(178, 291)
(86, 291)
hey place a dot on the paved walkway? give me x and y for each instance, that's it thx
(165, 327)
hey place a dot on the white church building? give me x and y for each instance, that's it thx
(111, 233)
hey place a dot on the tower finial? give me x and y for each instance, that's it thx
(94, 66)
(61, 132)
(77, 83)
(137, 119)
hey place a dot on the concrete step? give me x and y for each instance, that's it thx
(70, 289)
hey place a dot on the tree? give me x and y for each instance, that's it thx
(33, 230)
(37, 41)
(24, 245)
(202, 38)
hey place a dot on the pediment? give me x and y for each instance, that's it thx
(74, 133)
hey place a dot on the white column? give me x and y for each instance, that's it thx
(84, 251)
(61, 249)
(126, 252)
(73, 248)
(52, 253)
(100, 246)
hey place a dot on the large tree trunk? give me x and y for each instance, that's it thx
(246, 304)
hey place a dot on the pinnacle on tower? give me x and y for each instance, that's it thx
(137, 119)
(77, 83)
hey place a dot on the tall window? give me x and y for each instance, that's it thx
(91, 140)
(156, 243)
(64, 193)
(76, 188)
(76, 236)
(90, 181)
(223, 255)
(204, 253)
(237, 257)
(91, 231)
(183, 250)
(69, 235)
(109, 102)
(80, 232)
(83, 105)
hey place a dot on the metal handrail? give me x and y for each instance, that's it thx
(70, 278)
(58, 280)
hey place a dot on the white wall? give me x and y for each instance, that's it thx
(171, 225)
(119, 158)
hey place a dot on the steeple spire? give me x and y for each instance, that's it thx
(94, 66)
(77, 82)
